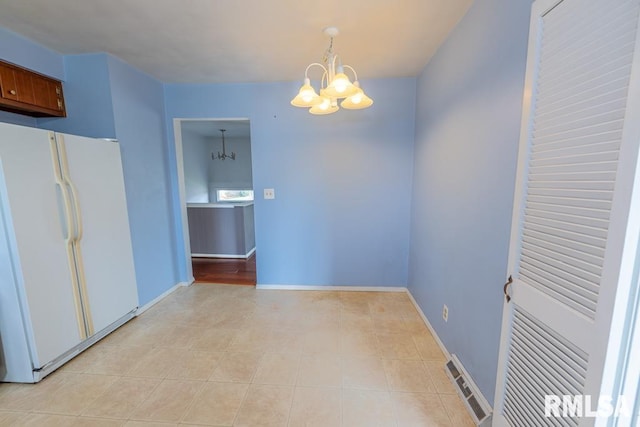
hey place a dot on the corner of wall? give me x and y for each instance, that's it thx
(87, 92)
(464, 177)
(19, 50)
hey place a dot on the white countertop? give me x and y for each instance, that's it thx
(219, 205)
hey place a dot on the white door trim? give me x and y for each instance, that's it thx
(177, 133)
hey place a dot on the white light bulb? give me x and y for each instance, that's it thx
(340, 85)
(357, 98)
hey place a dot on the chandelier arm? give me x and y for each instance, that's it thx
(355, 75)
(306, 72)
(325, 79)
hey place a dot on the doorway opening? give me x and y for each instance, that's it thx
(229, 271)
(216, 193)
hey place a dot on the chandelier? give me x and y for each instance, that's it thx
(334, 85)
(224, 154)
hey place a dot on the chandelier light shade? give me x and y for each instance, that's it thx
(326, 106)
(358, 100)
(307, 96)
(340, 86)
(334, 85)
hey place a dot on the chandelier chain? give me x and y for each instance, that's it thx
(328, 52)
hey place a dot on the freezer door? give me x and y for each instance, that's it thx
(34, 219)
(94, 170)
(15, 358)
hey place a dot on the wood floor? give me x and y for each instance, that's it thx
(228, 271)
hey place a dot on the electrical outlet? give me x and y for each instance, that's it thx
(269, 193)
(445, 312)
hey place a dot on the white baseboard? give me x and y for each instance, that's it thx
(448, 355)
(225, 256)
(426, 322)
(159, 298)
(333, 288)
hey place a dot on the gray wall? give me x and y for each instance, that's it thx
(230, 174)
(204, 175)
(221, 230)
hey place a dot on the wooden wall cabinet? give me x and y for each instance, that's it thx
(27, 92)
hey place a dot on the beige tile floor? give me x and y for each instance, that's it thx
(236, 356)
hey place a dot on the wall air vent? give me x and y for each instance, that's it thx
(478, 407)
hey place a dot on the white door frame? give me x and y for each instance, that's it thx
(177, 134)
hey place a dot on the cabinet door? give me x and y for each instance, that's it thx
(16, 84)
(95, 171)
(26, 92)
(24, 86)
(47, 93)
(8, 88)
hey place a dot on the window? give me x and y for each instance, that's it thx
(234, 195)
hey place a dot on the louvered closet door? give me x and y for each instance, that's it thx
(578, 151)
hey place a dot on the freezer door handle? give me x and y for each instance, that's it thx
(62, 174)
(64, 208)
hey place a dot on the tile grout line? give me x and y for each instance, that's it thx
(193, 400)
(295, 387)
(246, 393)
(144, 400)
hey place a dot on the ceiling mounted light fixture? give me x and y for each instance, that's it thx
(224, 154)
(334, 85)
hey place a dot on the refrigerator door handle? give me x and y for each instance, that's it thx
(69, 235)
(80, 280)
(77, 218)
(64, 203)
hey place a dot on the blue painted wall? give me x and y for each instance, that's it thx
(342, 182)
(138, 111)
(107, 98)
(87, 93)
(18, 119)
(467, 129)
(21, 51)
(344, 211)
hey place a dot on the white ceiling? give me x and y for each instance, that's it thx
(220, 41)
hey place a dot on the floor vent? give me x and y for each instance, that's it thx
(477, 406)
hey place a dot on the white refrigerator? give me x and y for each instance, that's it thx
(67, 276)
